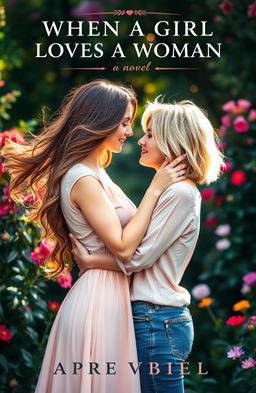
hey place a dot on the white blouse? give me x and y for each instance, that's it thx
(167, 247)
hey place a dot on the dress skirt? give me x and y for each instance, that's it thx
(92, 339)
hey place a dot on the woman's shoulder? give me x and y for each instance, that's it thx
(182, 190)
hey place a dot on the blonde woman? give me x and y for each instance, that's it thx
(163, 323)
(63, 168)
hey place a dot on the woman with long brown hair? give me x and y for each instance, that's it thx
(92, 339)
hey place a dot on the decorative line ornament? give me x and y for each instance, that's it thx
(128, 12)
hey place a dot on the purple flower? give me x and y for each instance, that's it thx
(235, 352)
(250, 279)
(248, 363)
(87, 7)
(200, 291)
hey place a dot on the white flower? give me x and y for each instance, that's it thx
(222, 230)
(200, 291)
(222, 244)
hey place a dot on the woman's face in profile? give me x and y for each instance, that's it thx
(151, 155)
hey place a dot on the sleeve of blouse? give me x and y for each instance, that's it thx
(171, 217)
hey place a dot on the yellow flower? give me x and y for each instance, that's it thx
(205, 302)
(242, 305)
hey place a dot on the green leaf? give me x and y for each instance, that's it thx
(12, 256)
(4, 362)
(32, 334)
(27, 357)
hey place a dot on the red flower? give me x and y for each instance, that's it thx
(240, 124)
(238, 178)
(226, 167)
(251, 10)
(53, 306)
(235, 320)
(211, 222)
(5, 334)
(14, 135)
(226, 7)
(208, 193)
(218, 200)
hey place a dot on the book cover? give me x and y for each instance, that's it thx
(201, 51)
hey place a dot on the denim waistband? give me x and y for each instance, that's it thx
(155, 306)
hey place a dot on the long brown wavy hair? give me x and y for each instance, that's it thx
(88, 114)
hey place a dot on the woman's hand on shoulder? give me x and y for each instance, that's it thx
(169, 173)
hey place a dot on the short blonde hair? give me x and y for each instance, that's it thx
(182, 127)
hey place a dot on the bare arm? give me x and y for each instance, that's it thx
(172, 216)
(92, 200)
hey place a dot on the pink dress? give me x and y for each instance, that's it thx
(94, 322)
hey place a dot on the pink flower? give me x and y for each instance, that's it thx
(223, 132)
(251, 10)
(208, 193)
(5, 236)
(252, 115)
(238, 178)
(225, 121)
(248, 363)
(65, 280)
(40, 253)
(29, 199)
(5, 334)
(229, 106)
(252, 319)
(222, 244)
(53, 306)
(201, 291)
(222, 230)
(6, 196)
(250, 279)
(226, 7)
(236, 320)
(245, 104)
(222, 145)
(7, 207)
(235, 352)
(14, 135)
(226, 167)
(240, 124)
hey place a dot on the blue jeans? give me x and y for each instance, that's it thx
(164, 334)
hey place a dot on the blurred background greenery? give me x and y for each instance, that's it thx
(32, 90)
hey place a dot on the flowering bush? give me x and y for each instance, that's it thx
(25, 316)
(239, 335)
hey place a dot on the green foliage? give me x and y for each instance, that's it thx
(44, 82)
